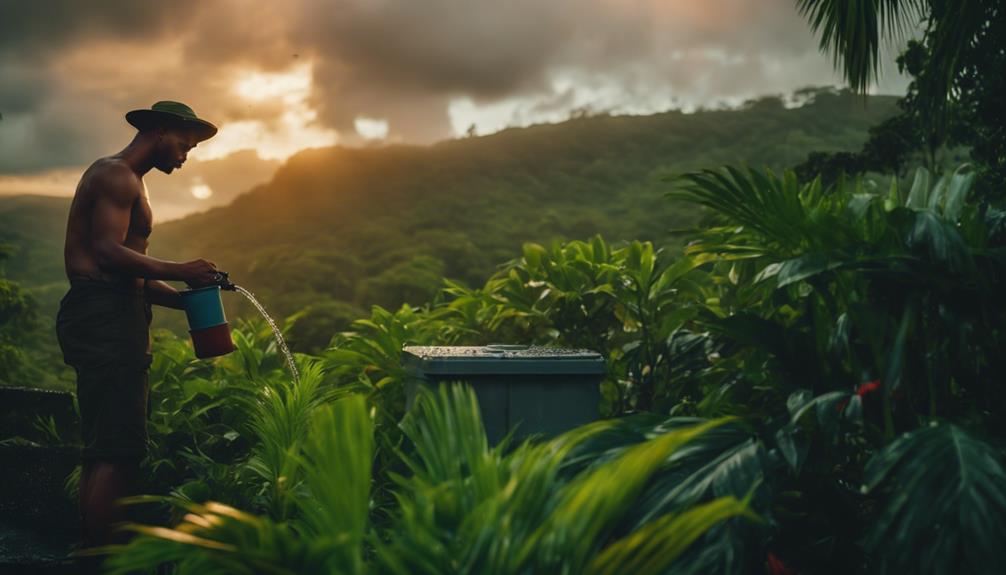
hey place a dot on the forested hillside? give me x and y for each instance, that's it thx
(383, 226)
(339, 229)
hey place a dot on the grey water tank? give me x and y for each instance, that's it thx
(540, 390)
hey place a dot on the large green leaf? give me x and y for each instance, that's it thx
(804, 267)
(656, 545)
(723, 462)
(590, 507)
(943, 504)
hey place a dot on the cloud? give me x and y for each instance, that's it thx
(427, 70)
(33, 31)
(409, 62)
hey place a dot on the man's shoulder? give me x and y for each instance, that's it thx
(112, 176)
(111, 168)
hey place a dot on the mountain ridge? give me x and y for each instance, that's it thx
(383, 225)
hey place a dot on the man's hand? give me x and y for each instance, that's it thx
(198, 273)
(163, 294)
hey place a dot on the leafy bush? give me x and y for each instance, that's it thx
(464, 507)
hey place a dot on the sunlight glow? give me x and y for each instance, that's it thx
(487, 118)
(58, 182)
(277, 138)
(371, 129)
(200, 190)
(290, 86)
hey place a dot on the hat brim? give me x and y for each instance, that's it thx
(147, 119)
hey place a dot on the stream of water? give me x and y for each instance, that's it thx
(275, 331)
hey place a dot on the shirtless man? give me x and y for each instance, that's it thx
(103, 321)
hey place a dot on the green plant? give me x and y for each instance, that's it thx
(631, 302)
(845, 285)
(464, 507)
(945, 517)
(327, 537)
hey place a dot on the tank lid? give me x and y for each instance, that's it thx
(502, 359)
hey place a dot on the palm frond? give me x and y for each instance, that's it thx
(217, 538)
(725, 462)
(593, 503)
(851, 31)
(471, 509)
(656, 545)
(337, 458)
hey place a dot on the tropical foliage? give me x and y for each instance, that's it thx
(953, 105)
(18, 316)
(466, 507)
(808, 380)
(844, 327)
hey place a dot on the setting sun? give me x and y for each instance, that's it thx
(200, 190)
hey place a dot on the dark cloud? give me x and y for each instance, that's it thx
(21, 86)
(404, 61)
(69, 70)
(33, 29)
(234, 33)
(382, 58)
(439, 46)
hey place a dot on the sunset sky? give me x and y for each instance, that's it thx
(279, 77)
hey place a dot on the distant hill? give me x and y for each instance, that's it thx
(35, 226)
(384, 225)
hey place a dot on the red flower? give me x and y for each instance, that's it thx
(862, 391)
(777, 567)
(868, 387)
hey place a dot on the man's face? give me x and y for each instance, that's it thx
(173, 148)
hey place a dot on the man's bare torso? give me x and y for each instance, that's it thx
(78, 253)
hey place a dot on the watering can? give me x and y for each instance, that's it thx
(208, 327)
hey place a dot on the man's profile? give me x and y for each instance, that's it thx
(103, 320)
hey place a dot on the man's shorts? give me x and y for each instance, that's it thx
(104, 332)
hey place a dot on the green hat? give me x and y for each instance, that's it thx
(168, 111)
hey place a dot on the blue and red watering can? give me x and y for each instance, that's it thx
(208, 327)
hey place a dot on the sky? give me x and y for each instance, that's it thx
(279, 77)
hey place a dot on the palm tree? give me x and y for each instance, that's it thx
(852, 30)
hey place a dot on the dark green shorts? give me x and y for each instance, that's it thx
(104, 332)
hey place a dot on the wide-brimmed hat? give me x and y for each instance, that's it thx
(170, 112)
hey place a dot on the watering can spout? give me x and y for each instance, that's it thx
(224, 283)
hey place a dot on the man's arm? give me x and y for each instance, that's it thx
(120, 188)
(162, 294)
